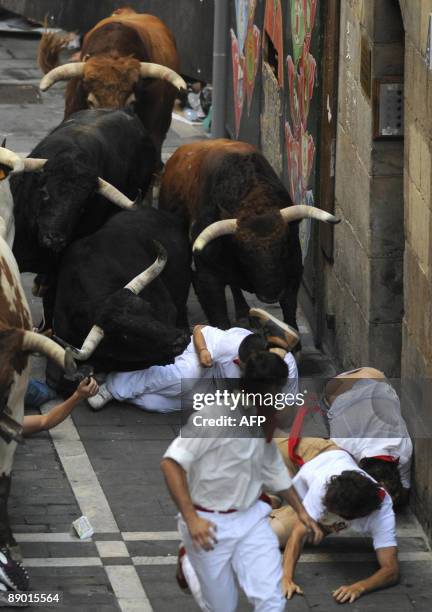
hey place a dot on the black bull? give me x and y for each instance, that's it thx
(60, 203)
(142, 330)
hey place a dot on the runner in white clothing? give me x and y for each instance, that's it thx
(365, 419)
(217, 481)
(212, 354)
(337, 494)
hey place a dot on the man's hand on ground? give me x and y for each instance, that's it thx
(314, 531)
(348, 593)
(290, 588)
(202, 532)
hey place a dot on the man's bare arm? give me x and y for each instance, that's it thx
(201, 530)
(292, 498)
(200, 345)
(387, 575)
(291, 555)
(42, 422)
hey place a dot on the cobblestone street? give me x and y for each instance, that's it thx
(106, 465)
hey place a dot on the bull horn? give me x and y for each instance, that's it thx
(136, 285)
(20, 164)
(3, 228)
(34, 342)
(33, 164)
(115, 196)
(62, 73)
(156, 71)
(11, 160)
(213, 231)
(302, 211)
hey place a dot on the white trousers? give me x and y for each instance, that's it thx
(157, 388)
(161, 388)
(246, 550)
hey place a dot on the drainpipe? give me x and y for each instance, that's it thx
(220, 38)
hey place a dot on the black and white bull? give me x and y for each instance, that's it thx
(242, 224)
(134, 323)
(17, 341)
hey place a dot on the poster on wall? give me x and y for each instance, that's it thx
(242, 21)
(303, 14)
(252, 53)
(301, 68)
(239, 81)
(273, 26)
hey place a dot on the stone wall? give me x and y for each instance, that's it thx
(363, 288)
(417, 322)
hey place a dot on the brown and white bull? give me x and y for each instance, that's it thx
(17, 341)
(126, 58)
(242, 224)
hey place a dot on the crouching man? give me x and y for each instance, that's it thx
(337, 494)
(216, 481)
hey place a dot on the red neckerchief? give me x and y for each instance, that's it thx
(388, 458)
(381, 494)
(294, 436)
(236, 361)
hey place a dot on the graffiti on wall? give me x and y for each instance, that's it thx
(271, 119)
(273, 26)
(245, 46)
(300, 146)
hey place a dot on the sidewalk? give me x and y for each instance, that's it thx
(106, 465)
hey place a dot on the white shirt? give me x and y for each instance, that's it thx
(366, 421)
(223, 472)
(223, 346)
(311, 482)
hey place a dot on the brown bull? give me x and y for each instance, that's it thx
(242, 224)
(128, 57)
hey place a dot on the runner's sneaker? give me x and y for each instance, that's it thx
(101, 399)
(277, 332)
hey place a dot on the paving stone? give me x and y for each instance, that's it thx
(153, 549)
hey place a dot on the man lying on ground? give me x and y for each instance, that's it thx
(365, 419)
(216, 480)
(337, 494)
(35, 423)
(212, 354)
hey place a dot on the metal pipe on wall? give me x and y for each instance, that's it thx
(220, 38)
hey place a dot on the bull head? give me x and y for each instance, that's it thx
(51, 236)
(110, 82)
(260, 243)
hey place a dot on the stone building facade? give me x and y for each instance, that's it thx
(378, 291)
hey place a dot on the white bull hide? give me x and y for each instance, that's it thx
(13, 303)
(7, 225)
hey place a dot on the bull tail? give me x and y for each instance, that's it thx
(49, 50)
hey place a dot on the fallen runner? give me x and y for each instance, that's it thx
(365, 419)
(211, 354)
(337, 494)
